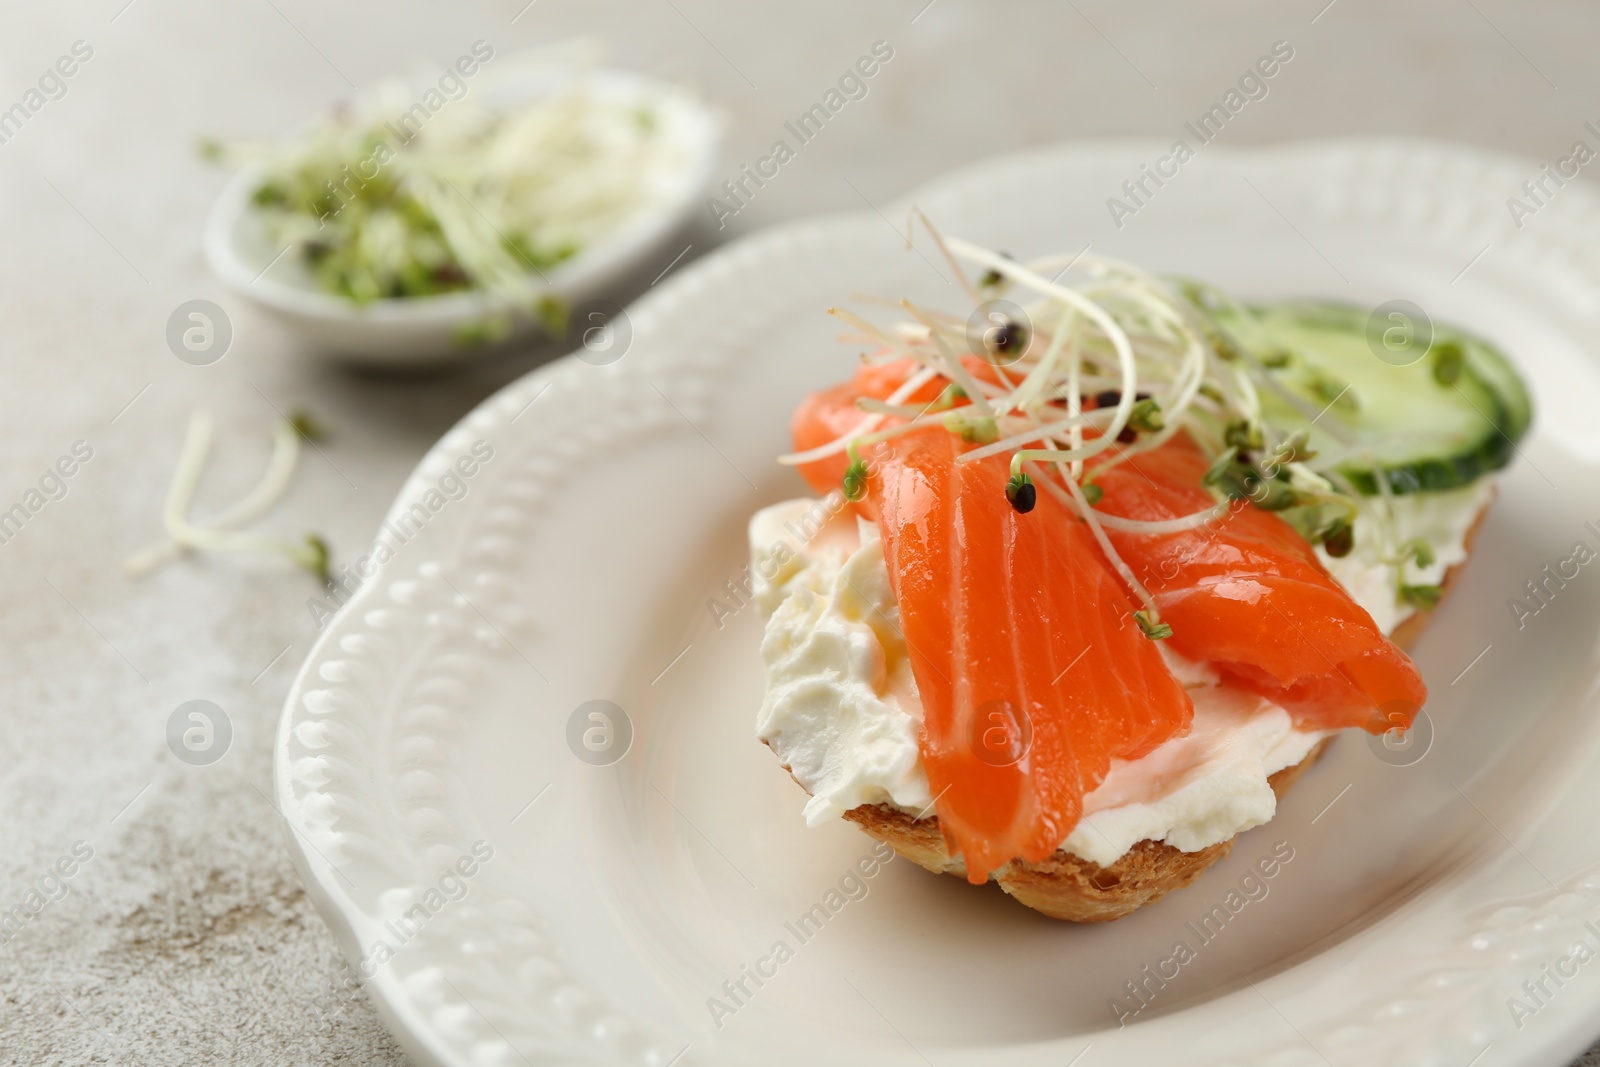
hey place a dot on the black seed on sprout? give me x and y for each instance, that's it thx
(1010, 338)
(1127, 435)
(1110, 398)
(1022, 493)
(1339, 539)
(992, 278)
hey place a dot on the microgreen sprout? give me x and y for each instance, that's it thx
(1419, 550)
(992, 280)
(1242, 433)
(1337, 537)
(501, 189)
(1292, 449)
(975, 430)
(315, 557)
(1421, 597)
(855, 476)
(221, 531)
(1097, 369)
(1146, 417)
(307, 426)
(1005, 342)
(1021, 491)
(1220, 466)
(1153, 628)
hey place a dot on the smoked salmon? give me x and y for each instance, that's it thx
(1248, 594)
(1032, 673)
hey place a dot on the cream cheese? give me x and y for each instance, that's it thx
(841, 708)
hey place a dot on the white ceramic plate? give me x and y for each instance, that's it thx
(436, 710)
(424, 329)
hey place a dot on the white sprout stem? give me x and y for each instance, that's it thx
(1072, 495)
(883, 407)
(1093, 311)
(868, 423)
(1038, 433)
(1032, 385)
(180, 491)
(875, 332)
(966, 283)
(1155, 528)
(273, 484)
(1075, 407)
(1190, 388)
(954, 369)
(183, 534)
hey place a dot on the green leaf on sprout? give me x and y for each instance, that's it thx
(1220, 465)
(855, 480)
(1293, 449)
(1153, 629)
(307, 427)
(1421, 597)
(1419, 550)
(1277, 359)
(316, 558)
(1243, 434)
(991, 278)
(1274, 495)
(1092, 493)
(973, 429)
(1146, 417)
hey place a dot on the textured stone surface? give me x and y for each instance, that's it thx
(186, 938)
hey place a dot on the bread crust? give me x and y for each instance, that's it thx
(1068, 887)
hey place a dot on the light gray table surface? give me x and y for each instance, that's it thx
(186, 938)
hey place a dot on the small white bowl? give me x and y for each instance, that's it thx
(426, 329)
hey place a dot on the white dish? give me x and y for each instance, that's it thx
(579, 565)
(425, 329)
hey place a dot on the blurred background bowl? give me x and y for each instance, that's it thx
(422, 330)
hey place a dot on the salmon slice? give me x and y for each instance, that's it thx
(1032, 674)
(1249, 595)
(829, 414)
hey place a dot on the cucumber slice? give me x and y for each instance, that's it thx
(1449, 418)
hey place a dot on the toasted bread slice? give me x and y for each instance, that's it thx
(1077, 890)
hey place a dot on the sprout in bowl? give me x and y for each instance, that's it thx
(428, 218)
